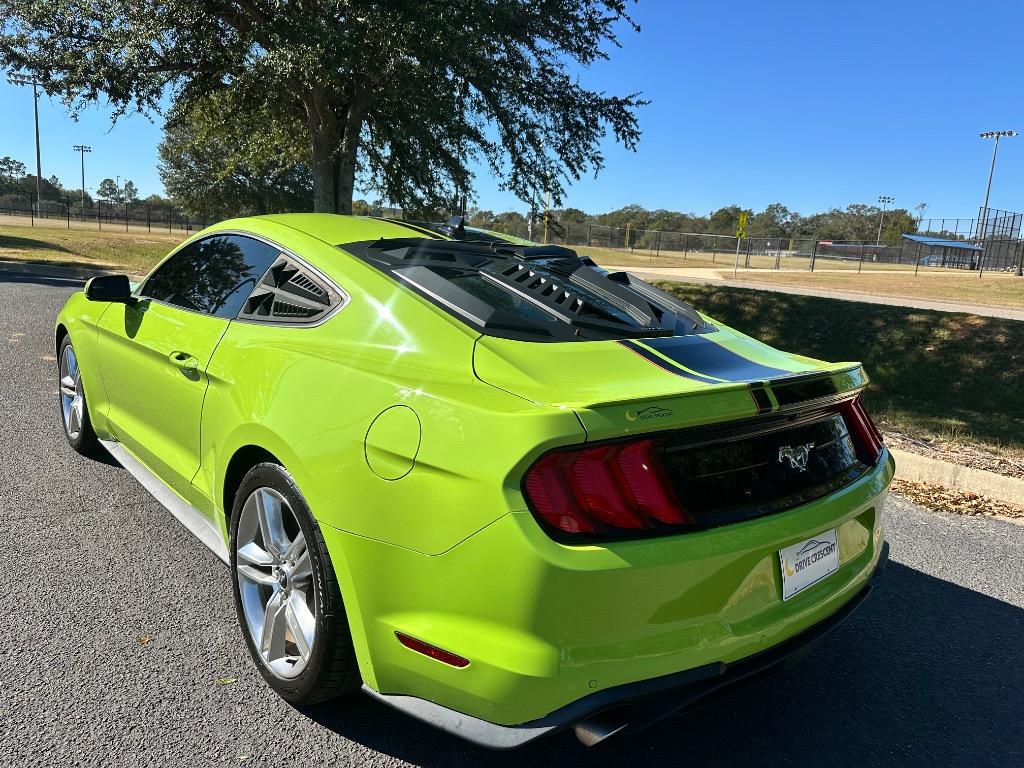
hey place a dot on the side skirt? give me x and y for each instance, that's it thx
(195, 521)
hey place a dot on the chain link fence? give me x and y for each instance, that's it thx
(102, 215)
(998, 232)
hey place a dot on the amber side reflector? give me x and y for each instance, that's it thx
(432, 651)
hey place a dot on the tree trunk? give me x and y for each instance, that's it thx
(334, 147)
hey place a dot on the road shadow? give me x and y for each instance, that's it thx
(27, 278)
(30, 244)
(926, 673)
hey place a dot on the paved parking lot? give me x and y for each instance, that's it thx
(929, 672)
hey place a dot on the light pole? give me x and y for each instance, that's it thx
(884, 200)
(982, 229)
(22, 80)
(82, 149)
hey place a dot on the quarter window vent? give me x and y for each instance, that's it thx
(290, 293)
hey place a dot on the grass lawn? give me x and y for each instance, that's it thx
(933, 374)
(133, 252)
(996, 289)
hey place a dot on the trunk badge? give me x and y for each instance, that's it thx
(797, 455)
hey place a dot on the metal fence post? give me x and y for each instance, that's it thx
(32, 212)
(67, 205)
(125, 215)
(814, 253)
(746, 261)
(149, 217)
(860, 264)
(99, 214)
(590, 231)
(917, 259)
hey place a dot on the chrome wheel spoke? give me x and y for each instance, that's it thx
(296, 548)
(253, 554)
(256, 576)
(75, 416)
(68, 386)
(268, 507)
(303, 569)
(301, 622)
(275, 625)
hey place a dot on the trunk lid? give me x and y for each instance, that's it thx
(636, 385)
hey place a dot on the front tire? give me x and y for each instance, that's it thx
(74, 409)
(286, 594)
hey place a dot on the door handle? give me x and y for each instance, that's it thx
(184, 361)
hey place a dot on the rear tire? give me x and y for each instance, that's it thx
(74, 409)
(286, 593)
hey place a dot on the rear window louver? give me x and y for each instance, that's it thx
(534, 293)
(290, 293)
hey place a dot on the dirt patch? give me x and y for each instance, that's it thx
(1009, 463)
(957, 501)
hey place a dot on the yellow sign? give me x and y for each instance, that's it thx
(741, 230)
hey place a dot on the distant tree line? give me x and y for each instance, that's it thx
(855, 222)
(18, 190)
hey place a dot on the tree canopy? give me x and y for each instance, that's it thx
(405, 94)
(223, 168)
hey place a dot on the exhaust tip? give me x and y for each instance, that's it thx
(596, 729)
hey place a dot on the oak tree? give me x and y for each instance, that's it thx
(407, 93)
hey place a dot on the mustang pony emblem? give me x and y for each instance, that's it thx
(797, 455)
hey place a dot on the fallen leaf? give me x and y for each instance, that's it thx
(226, 680)
(146, 639)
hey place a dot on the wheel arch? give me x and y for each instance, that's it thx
(242, 460)
(58, 336)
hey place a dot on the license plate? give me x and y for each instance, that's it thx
(808, 562)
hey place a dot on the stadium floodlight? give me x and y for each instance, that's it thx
(982, 229)
(883, 200)
(16, 79)
(82, 149)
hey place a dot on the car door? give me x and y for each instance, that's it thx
(154, 353)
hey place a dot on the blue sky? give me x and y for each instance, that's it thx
(810, 104)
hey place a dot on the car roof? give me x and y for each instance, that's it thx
(338, 229)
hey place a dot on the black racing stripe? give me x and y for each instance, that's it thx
(788, 393)
(711, 359)
(420, 230)
(760, 395)
(650, 357)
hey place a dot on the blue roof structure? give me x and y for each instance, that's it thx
(938, 242)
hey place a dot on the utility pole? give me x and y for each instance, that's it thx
(884, 200)
(82, 149)
(22, 80)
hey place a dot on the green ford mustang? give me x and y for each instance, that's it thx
(487, 482)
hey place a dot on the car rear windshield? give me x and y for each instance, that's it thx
(530, 293)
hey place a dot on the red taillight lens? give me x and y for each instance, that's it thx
(621, 486)
(866, 437)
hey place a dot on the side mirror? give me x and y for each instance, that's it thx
(110, 288)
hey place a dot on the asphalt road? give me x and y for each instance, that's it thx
(929, 672)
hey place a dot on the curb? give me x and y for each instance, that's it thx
(921, 469)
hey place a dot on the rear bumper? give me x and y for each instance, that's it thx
(545, 626)
(635, 706)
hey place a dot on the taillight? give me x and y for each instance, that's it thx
(866, 437)
(605, 488)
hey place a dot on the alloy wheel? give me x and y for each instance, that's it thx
(72, 402)
(275, 583)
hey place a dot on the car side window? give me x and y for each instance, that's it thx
(213, 275)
